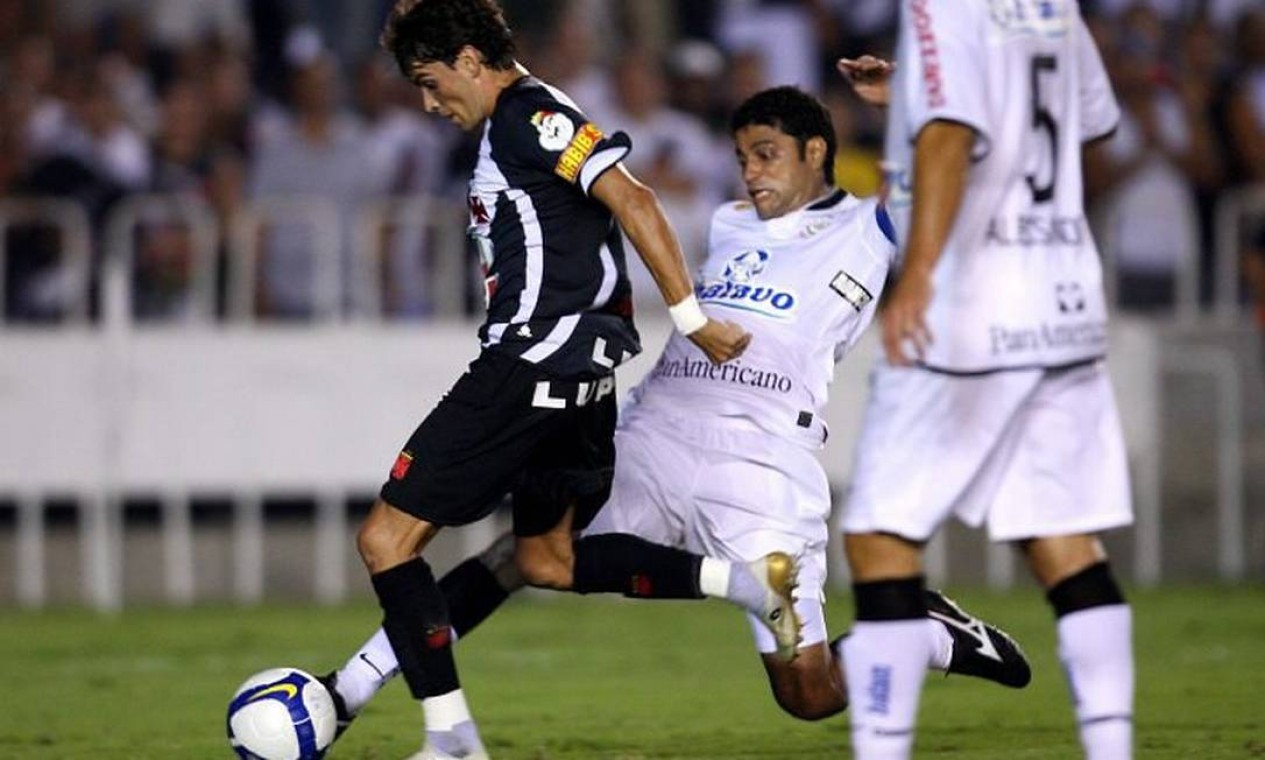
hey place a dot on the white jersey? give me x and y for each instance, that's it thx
(805, 285)
(1019, 283)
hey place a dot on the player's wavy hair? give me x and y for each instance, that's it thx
(795, 113)
(426, 31)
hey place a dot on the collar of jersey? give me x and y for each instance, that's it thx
(788, 225)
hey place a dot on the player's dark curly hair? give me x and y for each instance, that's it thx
(425, 31)
(795, 113)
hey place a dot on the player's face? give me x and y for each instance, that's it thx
(778, 179)
(449, 91)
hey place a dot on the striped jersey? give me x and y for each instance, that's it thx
(552, 258)
(805, 285)
(1019, 283)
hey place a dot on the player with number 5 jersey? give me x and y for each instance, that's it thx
(992, 403)
(1019, 282)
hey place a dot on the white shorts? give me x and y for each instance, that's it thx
(725, 492)
(1031, 452)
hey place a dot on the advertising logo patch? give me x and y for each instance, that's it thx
(577, 152)
(736, 291)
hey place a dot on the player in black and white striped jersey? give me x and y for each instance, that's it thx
(547, 194)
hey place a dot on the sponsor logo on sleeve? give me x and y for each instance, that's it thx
(852, 291)
(555, 129)
(577, 152)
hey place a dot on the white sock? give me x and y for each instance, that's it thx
(446, 710)
(941, 647)
(1096, 649)
(368, 670)
(885, 663)
(713, 577)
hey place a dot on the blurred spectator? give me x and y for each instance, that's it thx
(1246, 107)
(97, 133)
(672, 152)
(857, 157)
(1148, 170)
(408, 154)
(322, 156)
(785, 34)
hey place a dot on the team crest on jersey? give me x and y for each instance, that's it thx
(746, 266)
(555, 130)
(1044, 18)
(737, 291)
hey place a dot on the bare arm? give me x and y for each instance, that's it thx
(942, 158)
(638, 212)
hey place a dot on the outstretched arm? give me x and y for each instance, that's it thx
(637, 209)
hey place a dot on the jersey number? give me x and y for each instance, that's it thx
(1043, 120)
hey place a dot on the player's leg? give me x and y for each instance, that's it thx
(415, 620)
(1095, 631)
(814, 685)
(472, 591)
(453, 470)
(887, 651)
(632, 555)
(1067, 482)
(932, 445)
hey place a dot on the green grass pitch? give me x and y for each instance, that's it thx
(563, 678)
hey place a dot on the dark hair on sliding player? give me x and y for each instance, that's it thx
(795, 113)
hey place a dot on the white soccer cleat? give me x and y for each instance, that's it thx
(778, 573)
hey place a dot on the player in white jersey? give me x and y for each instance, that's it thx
(993, 403)
(719, 459)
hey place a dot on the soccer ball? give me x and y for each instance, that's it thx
(281, 714)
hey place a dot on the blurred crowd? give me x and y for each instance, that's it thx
(233, 104)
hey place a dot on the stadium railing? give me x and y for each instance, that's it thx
(108, 410)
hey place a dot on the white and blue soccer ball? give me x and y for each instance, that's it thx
(281, 714)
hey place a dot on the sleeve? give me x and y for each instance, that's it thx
(543, 134)
(1100, 113)
(947, 76)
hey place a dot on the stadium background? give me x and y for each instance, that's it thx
(234, 273)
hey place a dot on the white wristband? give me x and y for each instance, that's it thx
(687, 316)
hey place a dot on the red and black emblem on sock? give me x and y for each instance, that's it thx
(438, 638)
(641, 585)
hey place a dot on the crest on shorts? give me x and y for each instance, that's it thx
(402, 463)
(746, 266)
(555, 130)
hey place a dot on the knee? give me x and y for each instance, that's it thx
(809, 704)
(543, 569)
(380, 545)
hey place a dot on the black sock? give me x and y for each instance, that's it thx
(416, 623)
(1094, 586)
(624, 564)
(900, 599)
(471, 593)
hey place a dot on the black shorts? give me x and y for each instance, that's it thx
(507, 427)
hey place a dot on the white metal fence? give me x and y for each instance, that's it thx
(114, 409)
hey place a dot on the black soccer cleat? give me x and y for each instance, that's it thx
(330, 682)
(979, 649)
